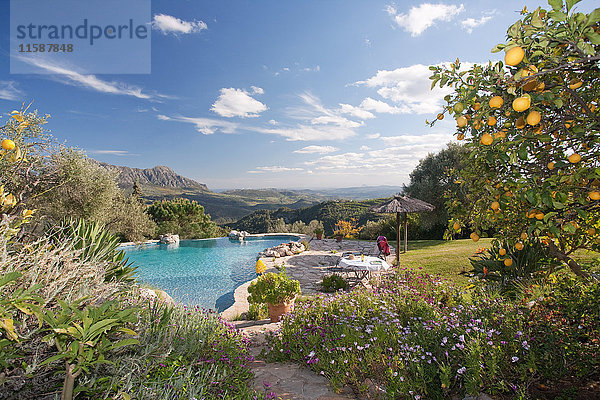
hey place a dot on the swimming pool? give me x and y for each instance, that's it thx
(201, 272)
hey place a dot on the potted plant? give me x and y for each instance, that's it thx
(278, 291)
(319, 232)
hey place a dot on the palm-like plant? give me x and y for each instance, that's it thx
(96, 245)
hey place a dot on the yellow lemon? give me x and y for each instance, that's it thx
(594, 195)
(440, 116)
(495, 205)
(519, 246)
(456, 226)
(460, 136)
(492, 121)
(474, 236)
(551, 165)
(520, 123)
(521, 104)
(575, 84)
(514, 56)
(502, 251)
(539, 216)
(524, 236)
(486, 139)
(458, 107)
(508, 262)
(574, 158)
(534, 118)
(7, 144)
(461, 121)
(496, 102)
(476, 106)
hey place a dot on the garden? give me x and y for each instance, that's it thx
(522, 322)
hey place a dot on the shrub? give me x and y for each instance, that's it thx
(566, 319)
(333, 283)
(96, 245)
(346, 229)
(183, 353)
(183, 217)
(84, 189)
(532, 263)
(272, 288)
(306, 244)
(414, 335)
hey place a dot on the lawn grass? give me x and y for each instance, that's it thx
(451, 258)
(446, 258)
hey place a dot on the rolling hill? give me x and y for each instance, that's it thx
(227, 207)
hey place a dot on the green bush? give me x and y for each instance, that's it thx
(306, 244)
(272, 288)
(96, 245)
(532, 263)
(183, 217)
(333, 283)
(414, 335)
(566, 319)
(184, 353)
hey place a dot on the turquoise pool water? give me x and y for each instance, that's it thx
(201, 272)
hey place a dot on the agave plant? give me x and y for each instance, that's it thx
(96, 245)
(529, 264)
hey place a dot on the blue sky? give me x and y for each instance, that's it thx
(290, 94)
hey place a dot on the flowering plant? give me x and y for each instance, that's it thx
(272, 288)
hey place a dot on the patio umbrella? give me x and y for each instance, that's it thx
(402, 205)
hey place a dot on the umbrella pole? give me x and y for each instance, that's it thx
(397, 238)
(405, 232)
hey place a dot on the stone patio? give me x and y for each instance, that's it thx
(307, 267)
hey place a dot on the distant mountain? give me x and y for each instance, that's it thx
(356, 193)
(162, 182)
(157, 176)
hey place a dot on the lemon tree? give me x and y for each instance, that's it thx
(531, 123)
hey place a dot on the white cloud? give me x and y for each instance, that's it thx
(400, 155)
(257, 90)
(273, 122)
(420, 18)
(300, 132)
(471, 23)
(206, 126)
(316, 149)
(112, 152)
(430, 139)
(373, 136)
(357, 112)
(381, 107)
(364, 148)
(277, 168)
(73, 78)
(238, 103)
(169, 24)
(409, 87)
(9, 91)
(307, 132)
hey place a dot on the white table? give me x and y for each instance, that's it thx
(363, 268)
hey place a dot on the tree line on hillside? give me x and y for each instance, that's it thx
(431, 180)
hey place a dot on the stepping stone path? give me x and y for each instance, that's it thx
(287, 381)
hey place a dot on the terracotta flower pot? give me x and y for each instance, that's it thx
(319, 236)
(277, 310)
(339, 238)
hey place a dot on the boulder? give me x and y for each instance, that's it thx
(237, 235)
(169, 238)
